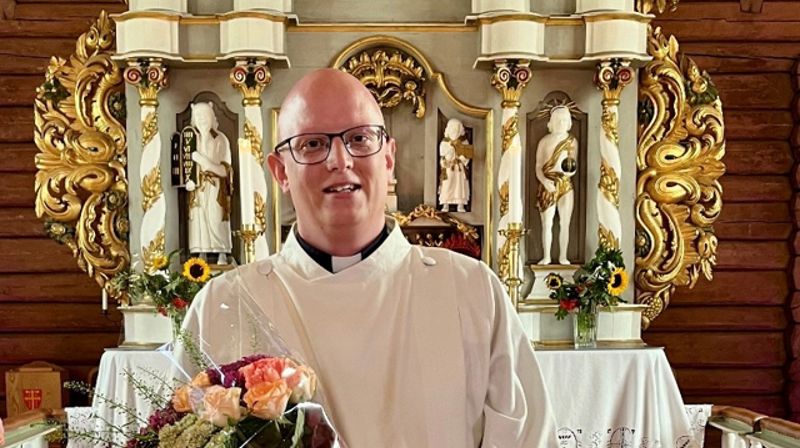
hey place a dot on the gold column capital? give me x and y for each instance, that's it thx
(611, 77)
(250, 76)
(510, 78)
(149, 76)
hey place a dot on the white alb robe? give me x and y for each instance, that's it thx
(414, 347)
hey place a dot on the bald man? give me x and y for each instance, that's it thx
(414, 347)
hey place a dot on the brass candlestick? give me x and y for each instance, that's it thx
(248, 233)
(513, 235)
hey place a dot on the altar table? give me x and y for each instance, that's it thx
(604, 398)
(616, 398)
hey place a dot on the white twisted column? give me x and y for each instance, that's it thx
(510, 79)
(250, 77)
(149, 76)
(611, 77)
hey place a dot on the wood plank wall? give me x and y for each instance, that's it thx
(728, 339)
(49, 310)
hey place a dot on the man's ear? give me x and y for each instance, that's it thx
(278, 170)
(390, 149)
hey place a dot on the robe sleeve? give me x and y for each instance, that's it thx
(517, 412)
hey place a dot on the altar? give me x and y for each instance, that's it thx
(605, 397)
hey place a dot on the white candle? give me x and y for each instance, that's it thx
(515, 184)
(246, 184)
(105, 299)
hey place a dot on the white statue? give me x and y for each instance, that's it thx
(210, 190)
(455, 153)
(556, 163)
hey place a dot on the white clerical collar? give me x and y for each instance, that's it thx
(342, 263)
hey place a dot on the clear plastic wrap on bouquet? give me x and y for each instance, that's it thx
(237, 383)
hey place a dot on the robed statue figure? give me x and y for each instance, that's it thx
(455, 153)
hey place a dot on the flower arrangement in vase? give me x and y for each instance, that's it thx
(600, 282)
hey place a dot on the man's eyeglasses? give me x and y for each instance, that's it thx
(313, 148)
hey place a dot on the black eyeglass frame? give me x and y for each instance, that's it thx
(287, 142)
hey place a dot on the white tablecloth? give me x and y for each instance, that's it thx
(113, 384)
(615, 399)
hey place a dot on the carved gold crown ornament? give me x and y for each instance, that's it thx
(679, 161)
(391, 75)
(81, 185)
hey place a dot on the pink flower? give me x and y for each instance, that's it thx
(268, 400)
(265, 370)
(221, 405)
(302, 381)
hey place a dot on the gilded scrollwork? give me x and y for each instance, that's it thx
(391, 75)
(656, 6)
(81, 184)
(510, 78)
(251, 77)
(679, 159)
(426, 211)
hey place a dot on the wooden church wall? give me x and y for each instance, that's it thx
(729, 340)
(49, 309)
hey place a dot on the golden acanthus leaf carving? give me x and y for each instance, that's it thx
(679, 161)
(155, 248)
(606, 238)
(392, 76)
(429, 212)
(252, 135)
(609, 183)
(656, 6)
(81, 185)
(260, 211)
(151, 188)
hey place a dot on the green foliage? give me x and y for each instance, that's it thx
(590, 286)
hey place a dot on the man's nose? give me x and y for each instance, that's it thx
(339, 158)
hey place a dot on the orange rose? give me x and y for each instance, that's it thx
(302, 382)
(221, 405)
(264, 370)
(180, 401)
(268, 400)
(201, 380)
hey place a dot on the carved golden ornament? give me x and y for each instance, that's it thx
(391, 78)
(609, 122)
(503, 260)
(607, 238)
(611, 77)
(151, 188)
(510, 78)
(250, 77)
(81, 185)
(609, 183)
(679, 159)
(149, 127)
(510, 130)
(260, 211)
(503, 193)
(252, 135)
(149, 77)
(427, 211)
(153, 250)
(653, 6)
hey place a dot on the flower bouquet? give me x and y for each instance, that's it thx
(600, 282)
(169, 291)
(258, 401)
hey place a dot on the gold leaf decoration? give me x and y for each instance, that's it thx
(391, 75)
(656, 6)
(151, 188)
(155, 248)
(260, 211)
(149, 127)
(427, 211)
(252, 135)
(81, 185)
(250, 77)
(510, 78)
(606, 238)
(679, 161)
(609, 183)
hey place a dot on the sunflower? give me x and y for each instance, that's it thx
(196, 270)
(159, 262)
(618, 281)
(553, 281)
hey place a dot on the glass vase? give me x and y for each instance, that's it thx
(585, 328)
